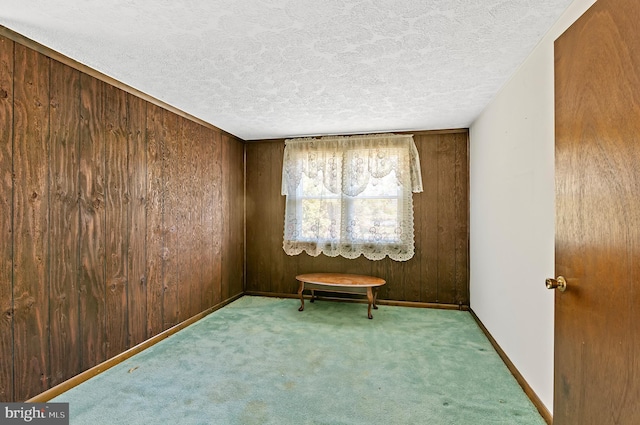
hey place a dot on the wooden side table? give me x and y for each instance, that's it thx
(343, 283)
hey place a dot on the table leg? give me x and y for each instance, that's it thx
(300, 290)
(313, 295)
(375, 297)
(370, 299)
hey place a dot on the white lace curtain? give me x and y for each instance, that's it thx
(350, 196)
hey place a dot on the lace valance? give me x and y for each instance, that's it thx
(356, 157)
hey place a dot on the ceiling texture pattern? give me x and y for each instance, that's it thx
(284, 68)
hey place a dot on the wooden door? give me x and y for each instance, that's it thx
(597, 319)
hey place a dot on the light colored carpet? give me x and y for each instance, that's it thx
(260, 361)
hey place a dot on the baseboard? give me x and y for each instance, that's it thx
(361, 300)
(90, 373)
(542, 409)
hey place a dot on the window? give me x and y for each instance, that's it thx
(350, 196)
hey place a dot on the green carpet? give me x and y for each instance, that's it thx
(260, 361)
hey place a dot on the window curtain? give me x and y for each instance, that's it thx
(351, 196)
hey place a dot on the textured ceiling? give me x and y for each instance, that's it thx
(283, 68)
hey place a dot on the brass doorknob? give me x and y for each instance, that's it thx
(558, 283)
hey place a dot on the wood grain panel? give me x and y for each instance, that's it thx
(92, 222)
(438, 272)
(6, 218)
(65, 222)
(235, 191)
(196, 184)
(393, 273)
(259, 206)
(379, 269)
(189, 237)
(239, 190)
(117, 201)
(252, 206)
(428, 150)
(304, 263)
(137, 176)
(446, 221)
(209, 210)
(100, 217)
(225, 209)
(154, 219)
(189, 212)
(179, 208)
(217, 217)
(276, 214)
(31, 222)
(172, 194)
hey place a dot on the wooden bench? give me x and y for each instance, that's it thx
(343, 283)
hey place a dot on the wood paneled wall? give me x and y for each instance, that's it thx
(118, 218)
(439, 271)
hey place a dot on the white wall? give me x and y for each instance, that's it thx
(512, 213)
